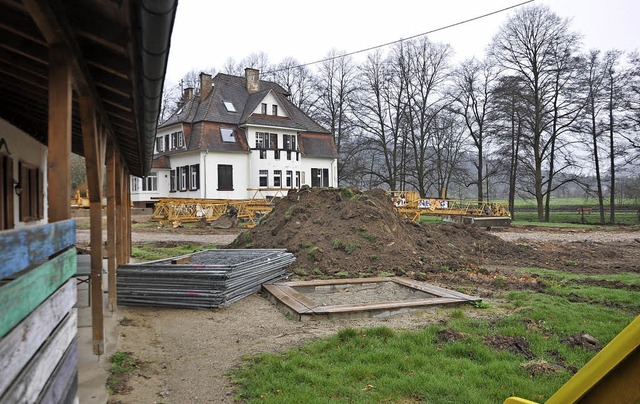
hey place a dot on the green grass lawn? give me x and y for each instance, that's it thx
(383, 365)
(151, 251)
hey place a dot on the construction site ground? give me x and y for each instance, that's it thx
(186, 354)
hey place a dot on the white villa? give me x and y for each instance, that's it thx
(239, 133)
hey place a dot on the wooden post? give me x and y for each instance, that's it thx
(92, 141)
(112, 157)
(127, 193)
(59, 133)
(119, 212)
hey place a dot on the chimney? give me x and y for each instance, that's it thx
(205, 85)
(252, 77)
(188, 94)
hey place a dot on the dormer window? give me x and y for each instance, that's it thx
(274, 109)
(229, 106)
(264, 108)
(227, 135)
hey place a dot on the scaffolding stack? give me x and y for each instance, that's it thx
(206, 279)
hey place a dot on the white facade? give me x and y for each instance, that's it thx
(271, 158)
(24, 150)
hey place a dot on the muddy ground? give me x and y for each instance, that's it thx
(187, 354)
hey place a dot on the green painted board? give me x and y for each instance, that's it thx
(22, 295)
(22, 248)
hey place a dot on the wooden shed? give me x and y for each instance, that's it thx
(82, 76)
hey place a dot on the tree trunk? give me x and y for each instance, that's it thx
(612, 201)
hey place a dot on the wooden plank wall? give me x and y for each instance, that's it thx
(38, 324)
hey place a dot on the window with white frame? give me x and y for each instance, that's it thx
(320, 177)
(172, 181)
(274, 109)
(227, 135)
(150, 182)
(135, 184)
(288, 177)
(159, 144)
(166, 142)
(261, 140)
(297, 179)
(174, 140)
(263, 108)
(229, 106)
(194, 174)
(263, 178)
(289, 142)
(183, 178)
(263, 154)
(276, 154)
(180, 139)
(277, 178)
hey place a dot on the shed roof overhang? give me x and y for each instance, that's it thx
(118, 51)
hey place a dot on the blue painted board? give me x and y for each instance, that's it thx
(22, 248)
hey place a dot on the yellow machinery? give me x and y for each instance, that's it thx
(612, 376)
(195, 210)
(411, 206)
(80, 202)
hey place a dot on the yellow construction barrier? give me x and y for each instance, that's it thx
(612, 376)
(411, 206)
(195, 210)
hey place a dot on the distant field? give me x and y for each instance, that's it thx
(577, 202)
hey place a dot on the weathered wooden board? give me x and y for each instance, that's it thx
(31, 381)
(22, 248)
(21, 296)
(63, 381)
(19, 346)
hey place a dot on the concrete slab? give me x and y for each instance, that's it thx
(93, 369)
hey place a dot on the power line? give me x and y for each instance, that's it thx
(404, 39)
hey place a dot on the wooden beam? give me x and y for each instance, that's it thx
(119, 211)
(93, 158)
(59, 159)
(111, 225)
(52, 21)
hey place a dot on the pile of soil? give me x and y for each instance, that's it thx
(349, 233)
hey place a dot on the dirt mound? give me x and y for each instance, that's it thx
(348, 233)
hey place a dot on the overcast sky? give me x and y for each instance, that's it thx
(207, 33)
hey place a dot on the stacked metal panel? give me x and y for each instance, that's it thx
(207, 279)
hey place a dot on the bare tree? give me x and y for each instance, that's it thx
(472, 94)
(336, 87)
(594, 84)
(525, 45)
(507, 113)
(564, 108)
(380, 110)
(448, 141)
(616, 80)
(298, 81)
(426, 71)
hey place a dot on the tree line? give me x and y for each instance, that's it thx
(536, 114)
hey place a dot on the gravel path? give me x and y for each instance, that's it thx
(569, 236)
(82, 236)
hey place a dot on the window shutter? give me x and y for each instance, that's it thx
(40, 194)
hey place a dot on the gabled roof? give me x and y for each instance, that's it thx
(318, 145)
(227, 88)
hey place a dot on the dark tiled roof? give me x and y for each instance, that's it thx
(206, 135)
(161, 162)
(318, 145)
(209, 115)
